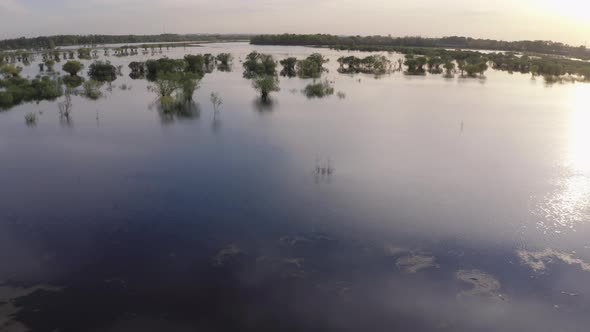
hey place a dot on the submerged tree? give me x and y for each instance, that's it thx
(319, 89)
(137, 69)
(265, 84)
(258, 64)
(224, 58)
(289, 67)
(216, 101)
(102, 71)
(415, 65)
(175, 90)
(83, 53)
(65, 107)
(49, 64)
(72, 67)
(165, 65)
(312, 66)
(91, 89)
(449, 66)
(195, 64)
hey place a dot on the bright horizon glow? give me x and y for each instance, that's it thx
(565, 21)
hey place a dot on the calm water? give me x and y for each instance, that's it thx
(452, 205)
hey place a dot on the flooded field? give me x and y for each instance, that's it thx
(397, 202)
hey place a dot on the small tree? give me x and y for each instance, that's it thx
(92, 89)
(216, 101)
(265, 84)
(72, 67)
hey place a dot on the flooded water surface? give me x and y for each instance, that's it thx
(399, 203)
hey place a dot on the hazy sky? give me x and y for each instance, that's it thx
(563, 20)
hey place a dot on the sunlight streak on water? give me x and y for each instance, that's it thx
(570, 205)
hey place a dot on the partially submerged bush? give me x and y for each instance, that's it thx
(31, 118)
(319, 90)
(289, 67)
(91, 89)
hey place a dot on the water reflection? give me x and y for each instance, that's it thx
(265, 106)
(569, 206)
(185, 111)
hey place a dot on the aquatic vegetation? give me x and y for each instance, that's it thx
(319, 90)
(265, 84)
(102, 71)
(415, 263)
(483, 284)
(538, 260)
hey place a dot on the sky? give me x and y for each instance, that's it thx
(564, 20)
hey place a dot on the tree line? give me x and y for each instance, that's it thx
(368, 42)
(51, 42)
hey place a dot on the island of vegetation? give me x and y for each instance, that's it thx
(549, 59)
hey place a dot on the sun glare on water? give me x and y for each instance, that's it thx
(570, 205)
